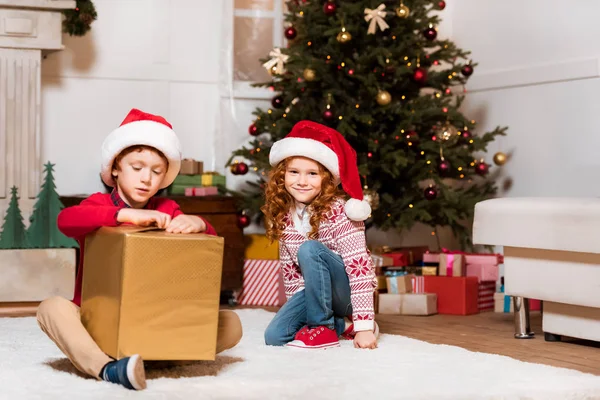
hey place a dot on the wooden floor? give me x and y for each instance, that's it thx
(493, 333)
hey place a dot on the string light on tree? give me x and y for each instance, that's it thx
(328, 114)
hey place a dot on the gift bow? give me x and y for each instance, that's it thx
(376, 17)
(277, 59)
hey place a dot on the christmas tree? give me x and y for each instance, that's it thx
(13, 234)
(43, 231)
(378, 73)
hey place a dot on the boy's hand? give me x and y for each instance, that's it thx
(144, 217)
(186, 224)
(365, 340)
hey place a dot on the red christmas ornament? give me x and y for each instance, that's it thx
(253, 130)
(442, 5)
(290, 33)
(412, 137)
(329, 8)
(467, 70)
(430, 193)
(243, 221)
(328, 115)
(430, 33)
(277, 102)
(482, 169)
(242, 168)
(466, 135)
(444, 167)
(419, 75)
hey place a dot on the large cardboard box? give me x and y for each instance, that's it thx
(152, 293)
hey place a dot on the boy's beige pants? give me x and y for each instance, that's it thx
(60, 319)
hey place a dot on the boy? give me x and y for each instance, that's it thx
(139, 158)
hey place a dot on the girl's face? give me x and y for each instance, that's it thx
(303, 179)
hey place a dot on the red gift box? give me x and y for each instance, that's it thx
(485, 301)
(262, 284)
(457, 295)
(402, 256)
(483, 272)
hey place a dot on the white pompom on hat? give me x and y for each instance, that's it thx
(328, 147)
(140, 128)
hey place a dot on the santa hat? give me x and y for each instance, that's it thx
(328, 147)
(140, 128)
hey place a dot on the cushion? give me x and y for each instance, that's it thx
(568, 224)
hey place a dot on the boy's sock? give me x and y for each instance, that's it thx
(128, 372)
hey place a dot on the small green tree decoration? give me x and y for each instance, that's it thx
(14, 234)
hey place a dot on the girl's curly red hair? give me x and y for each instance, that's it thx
(278, 201)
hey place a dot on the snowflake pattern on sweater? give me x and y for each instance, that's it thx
(343, 237)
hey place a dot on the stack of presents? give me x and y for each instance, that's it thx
(194, 181)
(411, 280)
(415, 281)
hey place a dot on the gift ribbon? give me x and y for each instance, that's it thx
(393, 285)
(376, 18)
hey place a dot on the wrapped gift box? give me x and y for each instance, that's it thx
(213, 179)
(381, 283)
(399, 284)
(402, 256)
(380, 260)
(408, 304)
(144, 287)
(262, 284)
(188, 180)
(191, 167)
(484, 259)
(433, 258)
(483, 272)
(486, 301)
(201, 191)
(452, 265)
(259, 247)
(456, 295)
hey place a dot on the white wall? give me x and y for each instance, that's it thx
(538, 74)
(161, 56)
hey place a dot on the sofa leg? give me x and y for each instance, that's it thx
(522, 327)
(551, 337)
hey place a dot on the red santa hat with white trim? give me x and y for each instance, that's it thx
(328, 147)
(140, 128)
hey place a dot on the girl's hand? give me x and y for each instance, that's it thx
(186, 224)
(365, 340)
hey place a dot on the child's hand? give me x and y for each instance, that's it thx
(365, 340)
(140, 217)
(186, 224)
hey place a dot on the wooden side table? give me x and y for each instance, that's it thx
(221, 212)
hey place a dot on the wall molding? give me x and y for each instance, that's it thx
(534, 75)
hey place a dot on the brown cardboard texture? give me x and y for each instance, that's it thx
(152, 293)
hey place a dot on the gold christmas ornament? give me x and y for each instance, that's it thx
(402, 11)
(372, 197)
(384, 98)
(500, 158)
(309, 74)
(343, 36)
(448, 132)
(273, 70)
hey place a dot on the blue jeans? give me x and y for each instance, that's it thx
(325, 300)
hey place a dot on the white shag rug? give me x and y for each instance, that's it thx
(31, 367)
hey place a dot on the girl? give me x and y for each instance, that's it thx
(327, 269)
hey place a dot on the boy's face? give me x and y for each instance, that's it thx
(139, 175)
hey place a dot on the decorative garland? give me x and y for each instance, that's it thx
(78, 21)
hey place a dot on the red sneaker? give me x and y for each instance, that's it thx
(301, 332)
(320, 337)
(349, 333)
